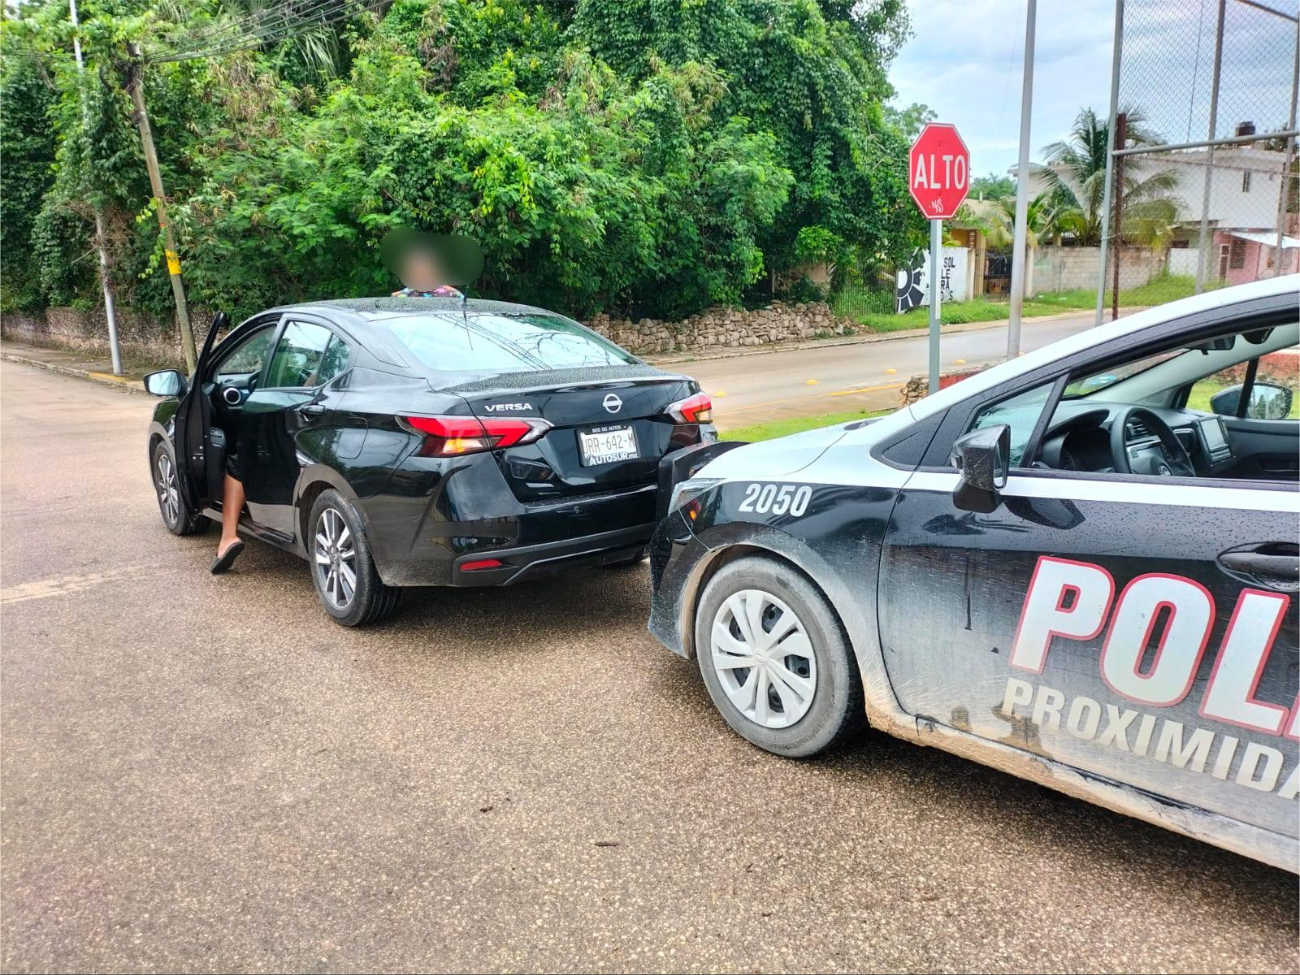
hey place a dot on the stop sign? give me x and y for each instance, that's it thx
(938, 171)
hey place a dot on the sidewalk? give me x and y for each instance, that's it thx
(82, 365)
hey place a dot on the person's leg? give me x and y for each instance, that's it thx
(232, 503)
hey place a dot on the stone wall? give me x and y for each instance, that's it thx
(918, 387)
(144, 340)
(141, 337)
(725, 328)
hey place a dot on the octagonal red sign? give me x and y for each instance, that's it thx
(938, 171)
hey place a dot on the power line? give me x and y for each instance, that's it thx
(286, 26)
(277, 24)
(265, 21)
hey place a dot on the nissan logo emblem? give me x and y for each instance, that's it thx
(612, 403)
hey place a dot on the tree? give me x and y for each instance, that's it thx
(911, 120)
(27, 146)
(1075, 175)
(811, 73)
(994, 186)
(641, 157)
(997, 219)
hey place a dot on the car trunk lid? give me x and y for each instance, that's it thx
(607, 431)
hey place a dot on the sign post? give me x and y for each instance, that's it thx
(938, 177)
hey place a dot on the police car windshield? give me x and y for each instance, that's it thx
(1095, 383)
(502, 343)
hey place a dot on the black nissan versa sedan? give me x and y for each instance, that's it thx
(397, 442)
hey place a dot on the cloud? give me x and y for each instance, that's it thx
(965, 61)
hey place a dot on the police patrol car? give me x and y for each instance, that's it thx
(1080, 567)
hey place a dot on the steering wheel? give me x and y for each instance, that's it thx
(1173, 461)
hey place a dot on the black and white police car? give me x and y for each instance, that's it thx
(1080, 566)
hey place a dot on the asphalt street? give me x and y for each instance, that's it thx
(206, 773)
(831, 378)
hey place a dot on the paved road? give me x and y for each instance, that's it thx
(205, 773)
(768, 386)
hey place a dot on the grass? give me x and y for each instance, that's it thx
(1166, 287)
(951, 313)
(783, 428)
(874, 309)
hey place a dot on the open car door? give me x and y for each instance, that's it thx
(200, 481)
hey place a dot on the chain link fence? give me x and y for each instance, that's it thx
(1203, 185)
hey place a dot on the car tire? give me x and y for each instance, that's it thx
(813, 696)
(337, 548)
(176, 514)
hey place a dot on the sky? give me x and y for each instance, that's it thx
(966, 61)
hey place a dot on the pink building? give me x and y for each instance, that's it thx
(1249, 255)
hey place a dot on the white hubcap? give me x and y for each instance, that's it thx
(763, 658)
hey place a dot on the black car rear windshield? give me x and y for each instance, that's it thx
(502, 343)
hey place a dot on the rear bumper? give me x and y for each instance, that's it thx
(432, 520)
(537, 561)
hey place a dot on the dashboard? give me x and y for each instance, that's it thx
(1079, 438)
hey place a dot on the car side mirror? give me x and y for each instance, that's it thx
(1225, 401)
(983, 457)
(165, 382)
(1268, 401)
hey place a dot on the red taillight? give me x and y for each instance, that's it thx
(452, 436)
(480, 564)
(693, 409)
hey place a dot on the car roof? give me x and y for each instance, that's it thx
(381, 308)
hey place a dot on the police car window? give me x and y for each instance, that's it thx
(298, 355)
(1020, 413)
(503, 343)
(1276, 374)
(1089, 385)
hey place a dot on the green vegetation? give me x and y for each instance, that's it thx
(1165, 287)
(783, 428)
(863, 307)
(607, 156)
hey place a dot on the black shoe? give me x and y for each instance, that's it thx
(227, 559)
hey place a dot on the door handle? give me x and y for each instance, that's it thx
(1275, 561)
(311, 409)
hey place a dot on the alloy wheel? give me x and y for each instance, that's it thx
(335, 559)
(763, 658)
(169, 498)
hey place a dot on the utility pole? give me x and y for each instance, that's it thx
(1021, 234)
(1284, 191)
(1121, 138)
(1116, 51)
(160, 200)
(105, 277)
(1203, 243)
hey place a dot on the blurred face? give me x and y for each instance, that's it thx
(420, 271)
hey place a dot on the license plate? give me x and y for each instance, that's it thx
(604, 445)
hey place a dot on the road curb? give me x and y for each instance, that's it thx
(122, 383)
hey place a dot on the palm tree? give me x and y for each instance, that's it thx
(1075, 175)
(997, 219)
